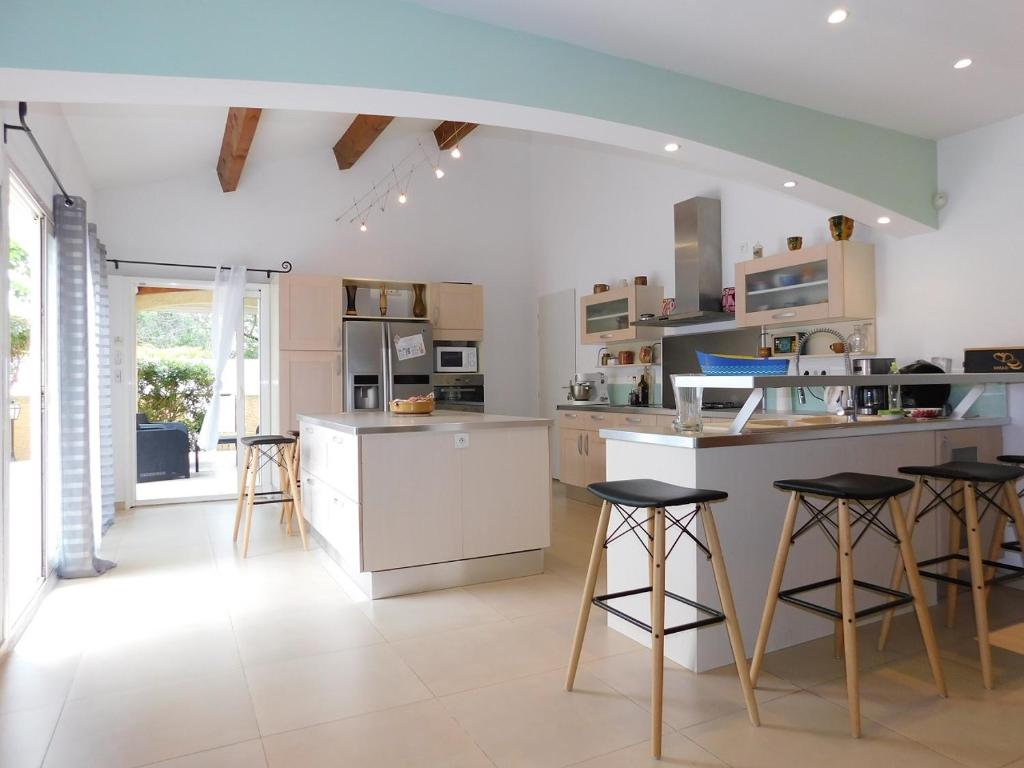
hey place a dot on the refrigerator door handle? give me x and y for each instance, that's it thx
(386, 364)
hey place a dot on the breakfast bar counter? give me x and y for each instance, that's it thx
(412, 503)
(745, 463)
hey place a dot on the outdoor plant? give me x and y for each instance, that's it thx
(175, 390)
(18, 276)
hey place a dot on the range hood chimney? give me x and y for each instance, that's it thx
(698, 262)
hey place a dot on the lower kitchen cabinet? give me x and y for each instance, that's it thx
(581, 456)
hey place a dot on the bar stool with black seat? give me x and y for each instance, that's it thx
(287, 508)
(629, 497)
(852, 499)
(261, 451)
(1018, 459)
(956, 486)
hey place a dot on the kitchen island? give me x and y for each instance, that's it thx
(413, 503)
(745, 462)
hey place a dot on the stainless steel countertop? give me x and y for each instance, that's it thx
(756, 382)
(718, 436)
(605, 408)
(379, 422)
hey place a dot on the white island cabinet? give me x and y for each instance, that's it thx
(411, 503)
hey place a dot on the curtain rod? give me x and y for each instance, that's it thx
(286, 266)
(22, 111)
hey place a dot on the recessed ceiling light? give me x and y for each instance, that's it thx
(671, 147)
(838, 16)
(789, 184)
(962, 64)
(883, 219)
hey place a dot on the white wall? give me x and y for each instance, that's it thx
(470, 226)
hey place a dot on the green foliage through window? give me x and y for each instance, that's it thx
(175, 390)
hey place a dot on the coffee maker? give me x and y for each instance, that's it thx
(871, 400)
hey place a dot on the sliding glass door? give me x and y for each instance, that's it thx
(25, 555)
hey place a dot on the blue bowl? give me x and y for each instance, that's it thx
(721, 365)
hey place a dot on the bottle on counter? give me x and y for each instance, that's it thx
(634, 394)
(895, 396)
(644, 388)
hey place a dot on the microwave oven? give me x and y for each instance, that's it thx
(455, 359)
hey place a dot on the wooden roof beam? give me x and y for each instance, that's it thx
(234, 149)
(449, 133)
(363, 131)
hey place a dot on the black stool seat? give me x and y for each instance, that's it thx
(1012, 458)
(971, 471)
(652, 493)
(849, 485)
(267, 440)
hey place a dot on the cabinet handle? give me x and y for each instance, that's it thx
(579, 444)
(337, 365)
(782, 315)
(605, 335)
(569, 415)
(633, 419)
(586, 443)
(596, 417)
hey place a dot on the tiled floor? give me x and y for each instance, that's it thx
(185, 656)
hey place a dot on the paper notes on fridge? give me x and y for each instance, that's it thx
(408, 347)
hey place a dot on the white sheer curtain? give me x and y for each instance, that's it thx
(228, 294)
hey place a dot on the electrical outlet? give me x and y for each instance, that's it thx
(462, 440)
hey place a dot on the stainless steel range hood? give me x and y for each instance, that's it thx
(698, 256)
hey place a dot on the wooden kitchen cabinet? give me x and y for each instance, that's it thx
(456, 311)
(572, 467)
(830, 282)
(310, 309)
(310, 382)
(606, 317)
(581, 448)
(594, 465)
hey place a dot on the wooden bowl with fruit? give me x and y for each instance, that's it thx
(417, 405)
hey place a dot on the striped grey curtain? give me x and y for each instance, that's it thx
(101, 304)
(75, 357)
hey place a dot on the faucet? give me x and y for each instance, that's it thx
(851, 405)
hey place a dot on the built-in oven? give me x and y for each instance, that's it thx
(455, 359)
(459, 392)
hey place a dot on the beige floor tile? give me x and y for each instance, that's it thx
(675, 750)
(135, 660)
(399, 618)
(317, 689)
(534, 723)
(689, 698)
(247, 754)
(530, 595)
(32, 677)
(25, 736)
(600, 640)
(973, 726)
(133, 728)
(415, 735)
(477, 656)
(803, 729)
(293, 633)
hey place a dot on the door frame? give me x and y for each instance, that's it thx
(262, 290)
(8, 622)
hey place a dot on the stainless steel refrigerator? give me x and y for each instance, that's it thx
(383, 361)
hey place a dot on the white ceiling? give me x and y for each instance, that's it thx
(889, 64)
(124, 145)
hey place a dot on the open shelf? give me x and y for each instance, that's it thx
(385, 317)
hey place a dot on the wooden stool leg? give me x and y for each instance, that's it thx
(658, 634)
(849, 617)
(651, 514)
(250, 501)
(588, 593)
(732, 623)
(995, 547)
(837, 629)
(774, 585)
(241, 492)
(282, 479)
(924, 618)
(953, 539)
(293, 491)
(978, 583)
(897, 567)
(1013, 507)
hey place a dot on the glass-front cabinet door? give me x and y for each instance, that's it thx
(834, 281)
(606, 317)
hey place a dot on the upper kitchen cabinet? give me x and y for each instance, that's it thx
(607, 317)
(456, 311)
(311, 308)
(834, 281)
